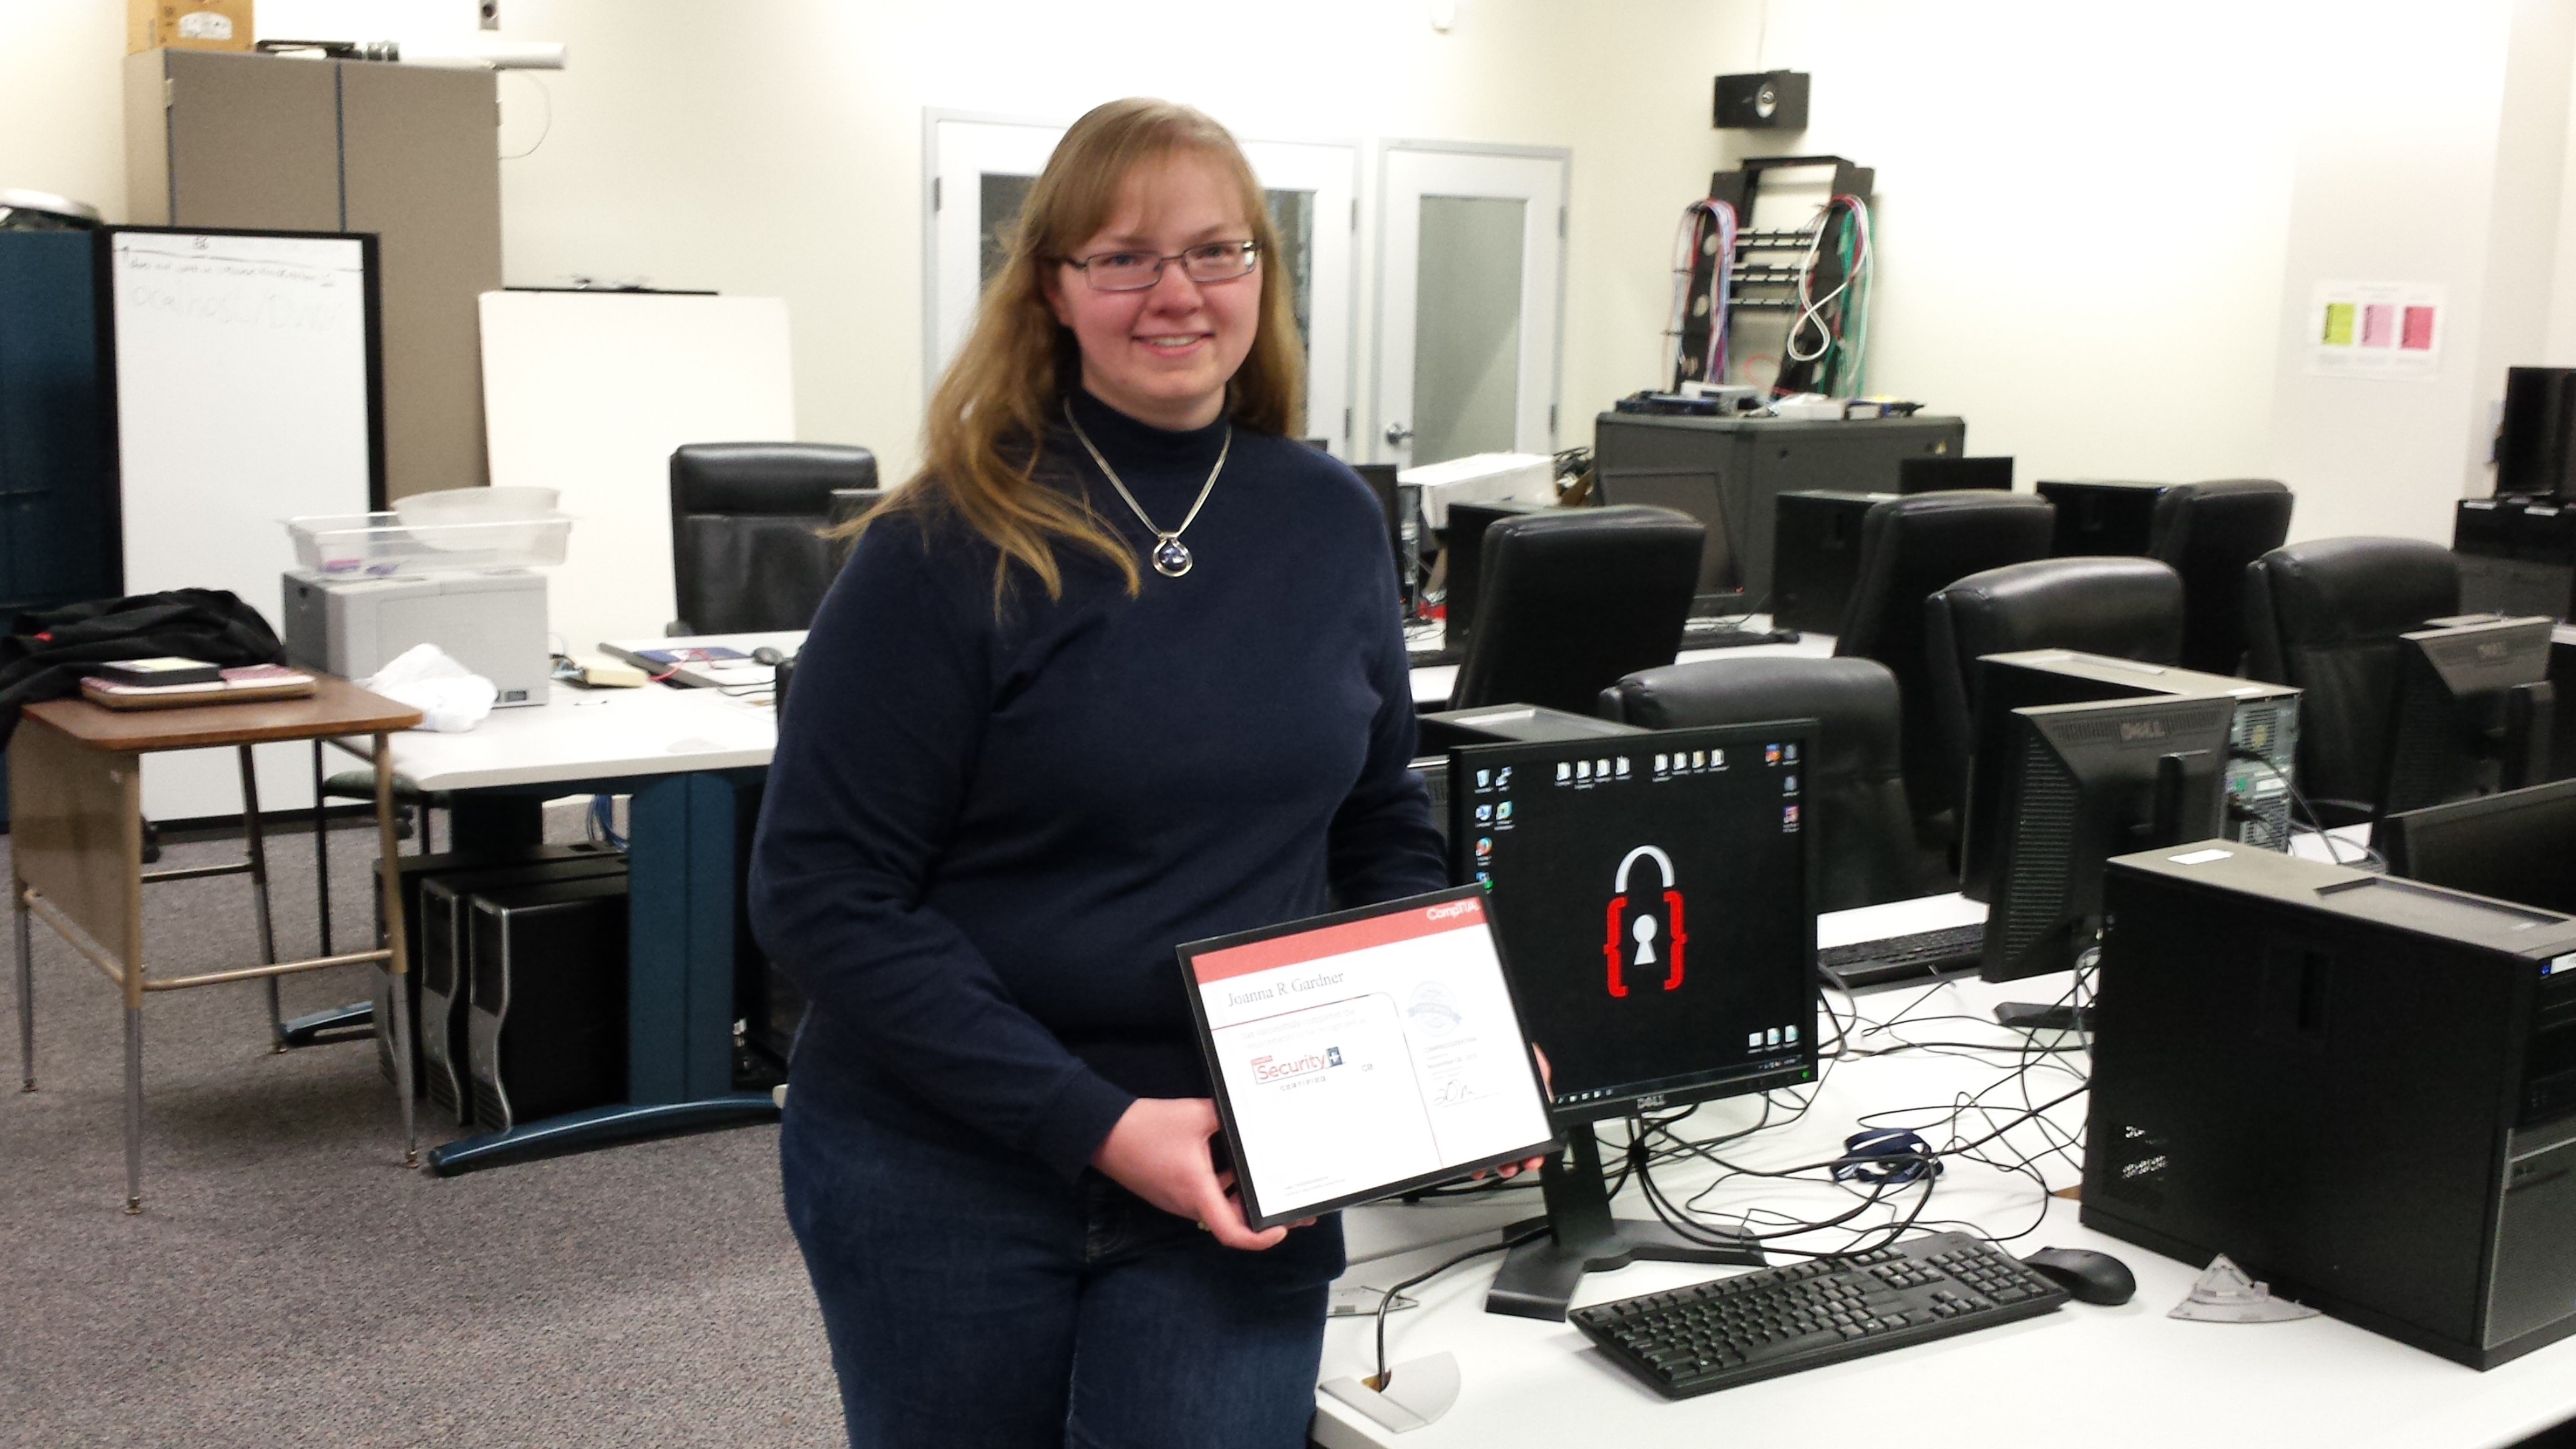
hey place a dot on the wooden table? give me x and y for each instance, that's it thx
(76, 857)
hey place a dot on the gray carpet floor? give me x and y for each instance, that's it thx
(289, 1283)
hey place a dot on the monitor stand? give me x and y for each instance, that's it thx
(1538, 1278)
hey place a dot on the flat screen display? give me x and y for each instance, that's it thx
(1652, 893)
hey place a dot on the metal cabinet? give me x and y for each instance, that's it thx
(410, 153)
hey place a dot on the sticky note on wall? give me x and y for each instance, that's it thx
(2419, 329)
(2378, 324)
(2339, 324)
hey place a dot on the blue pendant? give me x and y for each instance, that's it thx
(1171, 559)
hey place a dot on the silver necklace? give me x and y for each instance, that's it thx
(1171, 557)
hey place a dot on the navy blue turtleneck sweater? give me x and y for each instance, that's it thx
(983, 836)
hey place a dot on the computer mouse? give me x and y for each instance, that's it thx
(766, 655)
(2092, 1277)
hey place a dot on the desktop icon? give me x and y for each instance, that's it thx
(1699, 759)
(1753, 1042)
(1717, 759)
(1484, 846)
(1564, 772)
(1793, 1036)
(1503, 778)
(1663, 763)
(1583, 769)
(1484, 779)
(1623, 767)
(1771, 1037)
(1788, 817)
(1790, 753)
(1770, 754)
(1503, 813)
(1484, 814)
(1788, 784)
(1601, 769)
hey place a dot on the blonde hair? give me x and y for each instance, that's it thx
(982, 439)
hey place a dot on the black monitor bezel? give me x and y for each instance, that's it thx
(1462, 764)
(2402, 838)
(2422, 675)
(1912, 474)
(2087, 875)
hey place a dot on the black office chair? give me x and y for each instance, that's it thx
(747, 552)
(1910, 547)
(1855, 786)
(2127, 608)
(2325, 616)
(1572, 599)
(2209, 532)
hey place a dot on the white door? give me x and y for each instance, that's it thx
(980, 172)
(1471, 260)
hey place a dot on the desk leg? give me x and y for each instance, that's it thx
(321, 853)
(26, 988)
(257, 845)
(133, 1099)
(389, 874)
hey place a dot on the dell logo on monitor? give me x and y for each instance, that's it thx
(2132, 731)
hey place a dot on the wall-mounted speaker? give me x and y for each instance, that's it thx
(1771, 100)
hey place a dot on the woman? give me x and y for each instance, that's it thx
(1121, 668)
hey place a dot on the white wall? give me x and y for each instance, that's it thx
(777, 147)
(62, 127)
(2099, 227)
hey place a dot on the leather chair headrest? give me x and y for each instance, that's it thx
(2330, 592)
(1855, 698)
(753, 478)
(2128, 608)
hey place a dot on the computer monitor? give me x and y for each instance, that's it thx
(1694, 491)
(2518, 846)
(2472, 714)
(1653, 897)
(1380, 477)
(2261, 756)
(1937, 474)
(2087, 782)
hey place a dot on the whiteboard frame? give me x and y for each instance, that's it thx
(111, 401)
(198, 785)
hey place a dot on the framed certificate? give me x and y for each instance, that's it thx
(1365, 1053)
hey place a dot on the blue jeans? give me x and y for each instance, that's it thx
(976, 1300)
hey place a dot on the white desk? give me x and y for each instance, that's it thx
(2084, 1375)
(1432, 682)
(684, 755)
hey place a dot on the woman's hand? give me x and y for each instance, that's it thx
(1159, 1151)
(1546, 1079)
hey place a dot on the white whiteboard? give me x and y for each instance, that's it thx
(588, 393)
(242, 400)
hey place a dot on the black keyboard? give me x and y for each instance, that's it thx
(1730, 633)
(1775, 1321)
(1922, 957)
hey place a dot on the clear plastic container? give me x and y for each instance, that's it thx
(378, 545)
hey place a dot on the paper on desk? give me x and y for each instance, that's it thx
(450, 697)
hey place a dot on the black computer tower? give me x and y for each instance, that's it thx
(2361, 1089)
(2102, 516)
(445, 935)
(546, 1030)
(416, 871)
(1815, 557)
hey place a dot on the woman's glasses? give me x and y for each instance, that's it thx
(1136, 271)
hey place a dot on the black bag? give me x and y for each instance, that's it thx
(49, 650)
